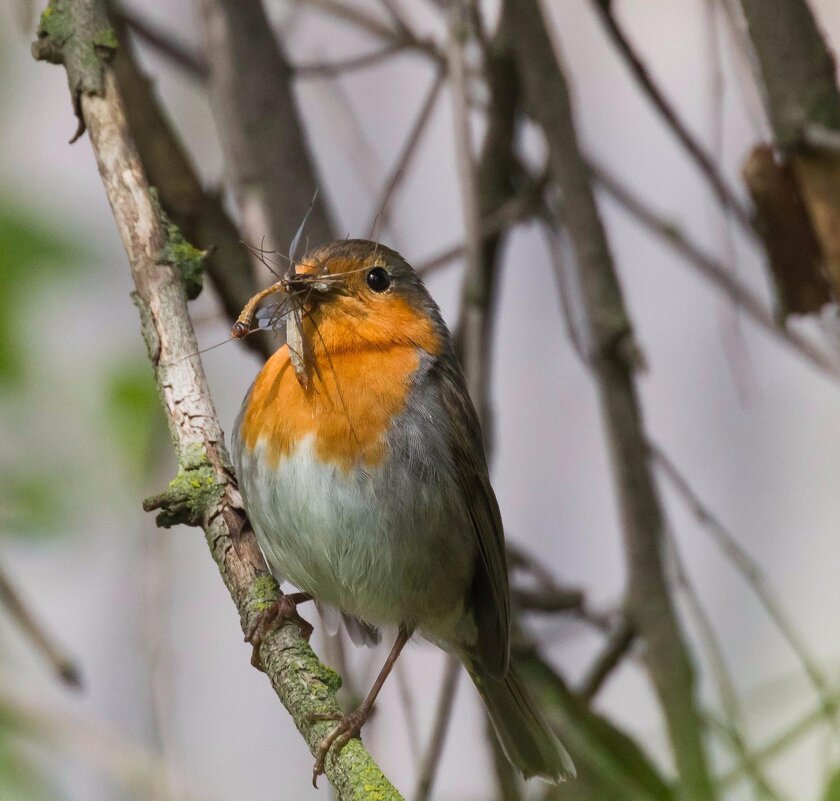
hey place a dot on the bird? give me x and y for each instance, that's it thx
(361, 464)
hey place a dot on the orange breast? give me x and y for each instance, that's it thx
(353, 394)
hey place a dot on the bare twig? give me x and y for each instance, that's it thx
(648, 602)
(163, 41)
(517, 208)
(331, 69)
(412, 729)
(791, 735)
(398, 18)
(565, 290)
(443, 716)
(754, 576)
(732, 725)
(266, 154)
(669, 114)
(717, 273)
(199, 214)
(469, 340)
(821, 137)
(204, 493)
(548, 599)
(372, 25)
(145, 774)
(618, 644)
(60, 663)
(409, 148)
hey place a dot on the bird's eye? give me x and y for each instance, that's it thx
(378, 279)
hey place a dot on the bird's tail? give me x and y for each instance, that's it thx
(528, 742)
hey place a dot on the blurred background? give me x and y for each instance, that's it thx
(167, 691)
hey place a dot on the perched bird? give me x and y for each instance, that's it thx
(361, 463)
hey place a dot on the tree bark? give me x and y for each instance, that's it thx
(265, 150)
(614, 353)
(204, 491)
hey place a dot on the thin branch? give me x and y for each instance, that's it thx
(762, 787)
(548, 600)
(514, 210)
(397, 18)
(821, 137)
(60, 663)
(443, 717)
(266, 152)
(204, 492)
(563, 278)
(409, 148)
(144, 774)
(199, 214)
(715, 272)
(412, 729)
(694, 149)
(352, 64)
(648, 602)
(754, 576)
(732, 724)
(163, 41)
(791, 735)
(372, 25)
(617, 646)
(469, 340)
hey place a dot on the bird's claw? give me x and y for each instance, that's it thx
(348, 727)
(270, 619)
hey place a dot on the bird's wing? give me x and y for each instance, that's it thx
(489, 593)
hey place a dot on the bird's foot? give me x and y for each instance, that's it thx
(348, 727)
(270, 619)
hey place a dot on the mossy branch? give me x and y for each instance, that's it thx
(204, 492)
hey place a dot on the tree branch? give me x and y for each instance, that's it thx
(717, 273)
(618, 644)
(199, 214)
(62, 665)
(178, 53)
(801, 94)
(443, 715)
(266, 155)
(694, 149)
(204, 491)
(648, 602)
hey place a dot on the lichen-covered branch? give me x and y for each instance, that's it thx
(198, 213)
(614, 353)
(204, 492)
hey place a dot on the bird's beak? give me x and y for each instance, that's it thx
(313, 288)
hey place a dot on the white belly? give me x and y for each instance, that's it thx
(387, 548)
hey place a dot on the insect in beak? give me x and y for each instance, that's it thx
(295, 287)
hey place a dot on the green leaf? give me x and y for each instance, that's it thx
(30, 252)
(19, 779)
(832, 787)
(29, 503)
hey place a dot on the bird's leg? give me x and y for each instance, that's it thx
(349, 726)
(270, 619)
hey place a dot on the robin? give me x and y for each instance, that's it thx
(361, 463)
